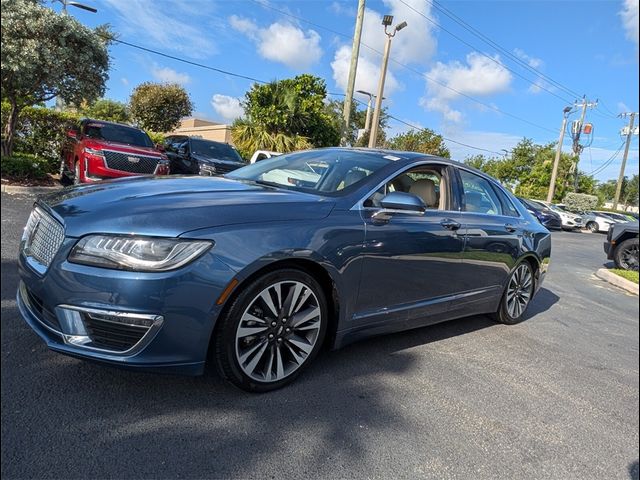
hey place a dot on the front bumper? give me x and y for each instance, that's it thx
(182, 304)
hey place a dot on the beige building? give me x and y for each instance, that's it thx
(196, 127)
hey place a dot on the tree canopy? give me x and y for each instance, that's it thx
(47, 55)
(105, 109)
(424, 141)
(159, 107)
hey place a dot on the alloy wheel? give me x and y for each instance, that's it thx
(593, 227)
(76, 169)
(278, 331)
(629, 257)
(519, 291)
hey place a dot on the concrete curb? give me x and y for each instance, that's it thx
(17, 189)
(617, 281)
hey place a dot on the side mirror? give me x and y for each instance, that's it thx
(182, 151)
(403, 201)
(160, 147)
(72, 134)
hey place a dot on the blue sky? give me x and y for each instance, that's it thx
(461, 87)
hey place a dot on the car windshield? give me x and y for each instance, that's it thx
(215, 150)
(319, 171)
(535, 205)
(118, 134)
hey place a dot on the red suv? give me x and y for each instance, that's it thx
(100, 150)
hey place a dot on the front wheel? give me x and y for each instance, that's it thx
(593, 227)
(626, 255)
(517, 296)
(76, 170)
(272, 332)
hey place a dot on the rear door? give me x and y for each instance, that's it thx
(493, 238)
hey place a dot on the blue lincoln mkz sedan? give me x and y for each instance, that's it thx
(259, 269)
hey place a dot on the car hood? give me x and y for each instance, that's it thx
(170, 206)
(123, 147)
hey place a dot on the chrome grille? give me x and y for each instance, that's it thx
(42, 237)
(130, 162)
(225, 168)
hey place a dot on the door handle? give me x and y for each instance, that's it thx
(450, 224)
(510, 228)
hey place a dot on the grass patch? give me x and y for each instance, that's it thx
(628, 274)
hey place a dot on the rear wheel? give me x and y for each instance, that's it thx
(272, 332)
(592, 227)
(517, 296)
(64, 174)
(626, 254)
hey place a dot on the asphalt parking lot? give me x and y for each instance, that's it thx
(553, 397)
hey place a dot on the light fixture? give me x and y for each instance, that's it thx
(387, 20)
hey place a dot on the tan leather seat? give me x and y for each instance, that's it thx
(426, 190)
(353, 176)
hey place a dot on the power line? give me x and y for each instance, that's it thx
(189, 62)
(497, 62)
(410, 69)
(497, 46)
(237, 75)
(608, 162)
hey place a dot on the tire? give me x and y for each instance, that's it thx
(626, 255)
(593, 227)
(517, 295)
(256, 346)
(64, 177)
(76, 172)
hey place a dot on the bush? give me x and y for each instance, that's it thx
(22, 167)
(41, 132)
(580, 202)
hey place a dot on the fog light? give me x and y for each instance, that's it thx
(71, 322)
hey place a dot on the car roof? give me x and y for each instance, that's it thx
(106, 122)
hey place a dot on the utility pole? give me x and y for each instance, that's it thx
(386, 21)
(351, 82)
(630, 133)
(556, 162)
(576, 130)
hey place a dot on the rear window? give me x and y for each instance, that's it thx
(117, 134)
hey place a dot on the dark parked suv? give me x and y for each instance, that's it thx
(196, 156)
(622, 245)
(99, 150)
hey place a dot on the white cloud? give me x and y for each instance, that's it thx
(367, 75)
(629, 15)
(282, 42)
(166, 30)
(480, 76)
(529, 60)
(125, 81)
(169, 75)
(228, 108)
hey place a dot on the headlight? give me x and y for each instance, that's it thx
(141, 254)
(92, 151)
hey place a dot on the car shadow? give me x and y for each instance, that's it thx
(131, 425)
(8, 279)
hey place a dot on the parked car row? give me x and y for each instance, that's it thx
(99, 150)
(557, 216)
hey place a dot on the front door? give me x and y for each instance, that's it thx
(412, 263)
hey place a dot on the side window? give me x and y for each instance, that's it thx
(507, 205)
(426, 182)
(479, 195)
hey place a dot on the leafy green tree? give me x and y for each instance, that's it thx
(249, 137)
(46, 55)
(294, 108)
(105, 109)
(423, 141)
(159, 107)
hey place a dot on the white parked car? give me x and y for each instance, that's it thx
(263, 155)
(598, 222)
(570, 221)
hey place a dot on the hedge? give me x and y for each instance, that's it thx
(23, 166)
(41, 132)
(580, 202)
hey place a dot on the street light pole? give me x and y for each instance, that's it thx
(386, 21)
(77, 5)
